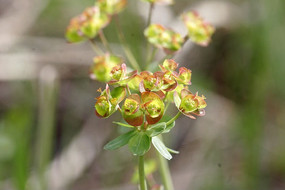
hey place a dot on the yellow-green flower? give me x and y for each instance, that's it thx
(153, 106)
(190, 104)
(164, 38)
(111, 6)
(86, 25)
(108, 102)
(131, 110)
(199, 31)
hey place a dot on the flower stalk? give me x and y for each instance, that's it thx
(142, 174)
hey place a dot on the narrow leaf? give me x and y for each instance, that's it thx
(119, 141)
(156, 129)
(161, 148)
(139, 144)
(123, 124)
(172, 151)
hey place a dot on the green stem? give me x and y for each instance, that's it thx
(126, 48)
(142, 174)
(173, 119)
(150, 13)
(104, 41)
(164, 171)
(97, 50)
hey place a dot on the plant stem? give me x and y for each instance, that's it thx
(104, 41)
(141, 173)
(164, 171)
(126, 48)
(173, 119)
(97, 50)
(150, 14)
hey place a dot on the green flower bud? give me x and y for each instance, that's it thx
(131, 110)
(108, 102)
(102, 106)
(163, 38)
(111, 6)
(153, 106)
(169, 65)
(199, 31)
(86, 25)
(120, 76)
(184, 76)
(102, 67)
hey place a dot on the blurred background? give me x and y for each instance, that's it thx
(50, 138)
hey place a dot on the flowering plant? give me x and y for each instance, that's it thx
(142, 97)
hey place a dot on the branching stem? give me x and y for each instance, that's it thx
(104, 41)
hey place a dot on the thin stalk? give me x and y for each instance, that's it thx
(49, 85)
(150, 14)
(164, 171)
(126, 48)
(173, 119)
(97, 50)
(142, 174)
(104, 41)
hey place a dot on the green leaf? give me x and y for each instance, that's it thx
(123, 124)
(119, 141)
(161, 148)
(156, 129)
(169, 127)
(139, 144)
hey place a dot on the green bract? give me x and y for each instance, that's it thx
(87, 25)
(199, 31)
(108, 102)
(102, 67)
(163, 38)
(111, 6)
(190, 104)
(131, 110)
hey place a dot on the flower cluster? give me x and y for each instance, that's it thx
(93, 19)
(164, 38)
(147, 107)
(199, 31)
(141, 97)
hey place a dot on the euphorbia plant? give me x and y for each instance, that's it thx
(142, 97)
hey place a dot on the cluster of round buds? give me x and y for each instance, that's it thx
(199, 31)
(87, 25)
(111, 6)
(147, 107)
(92, 20)
(162, 2)
(164, 38)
